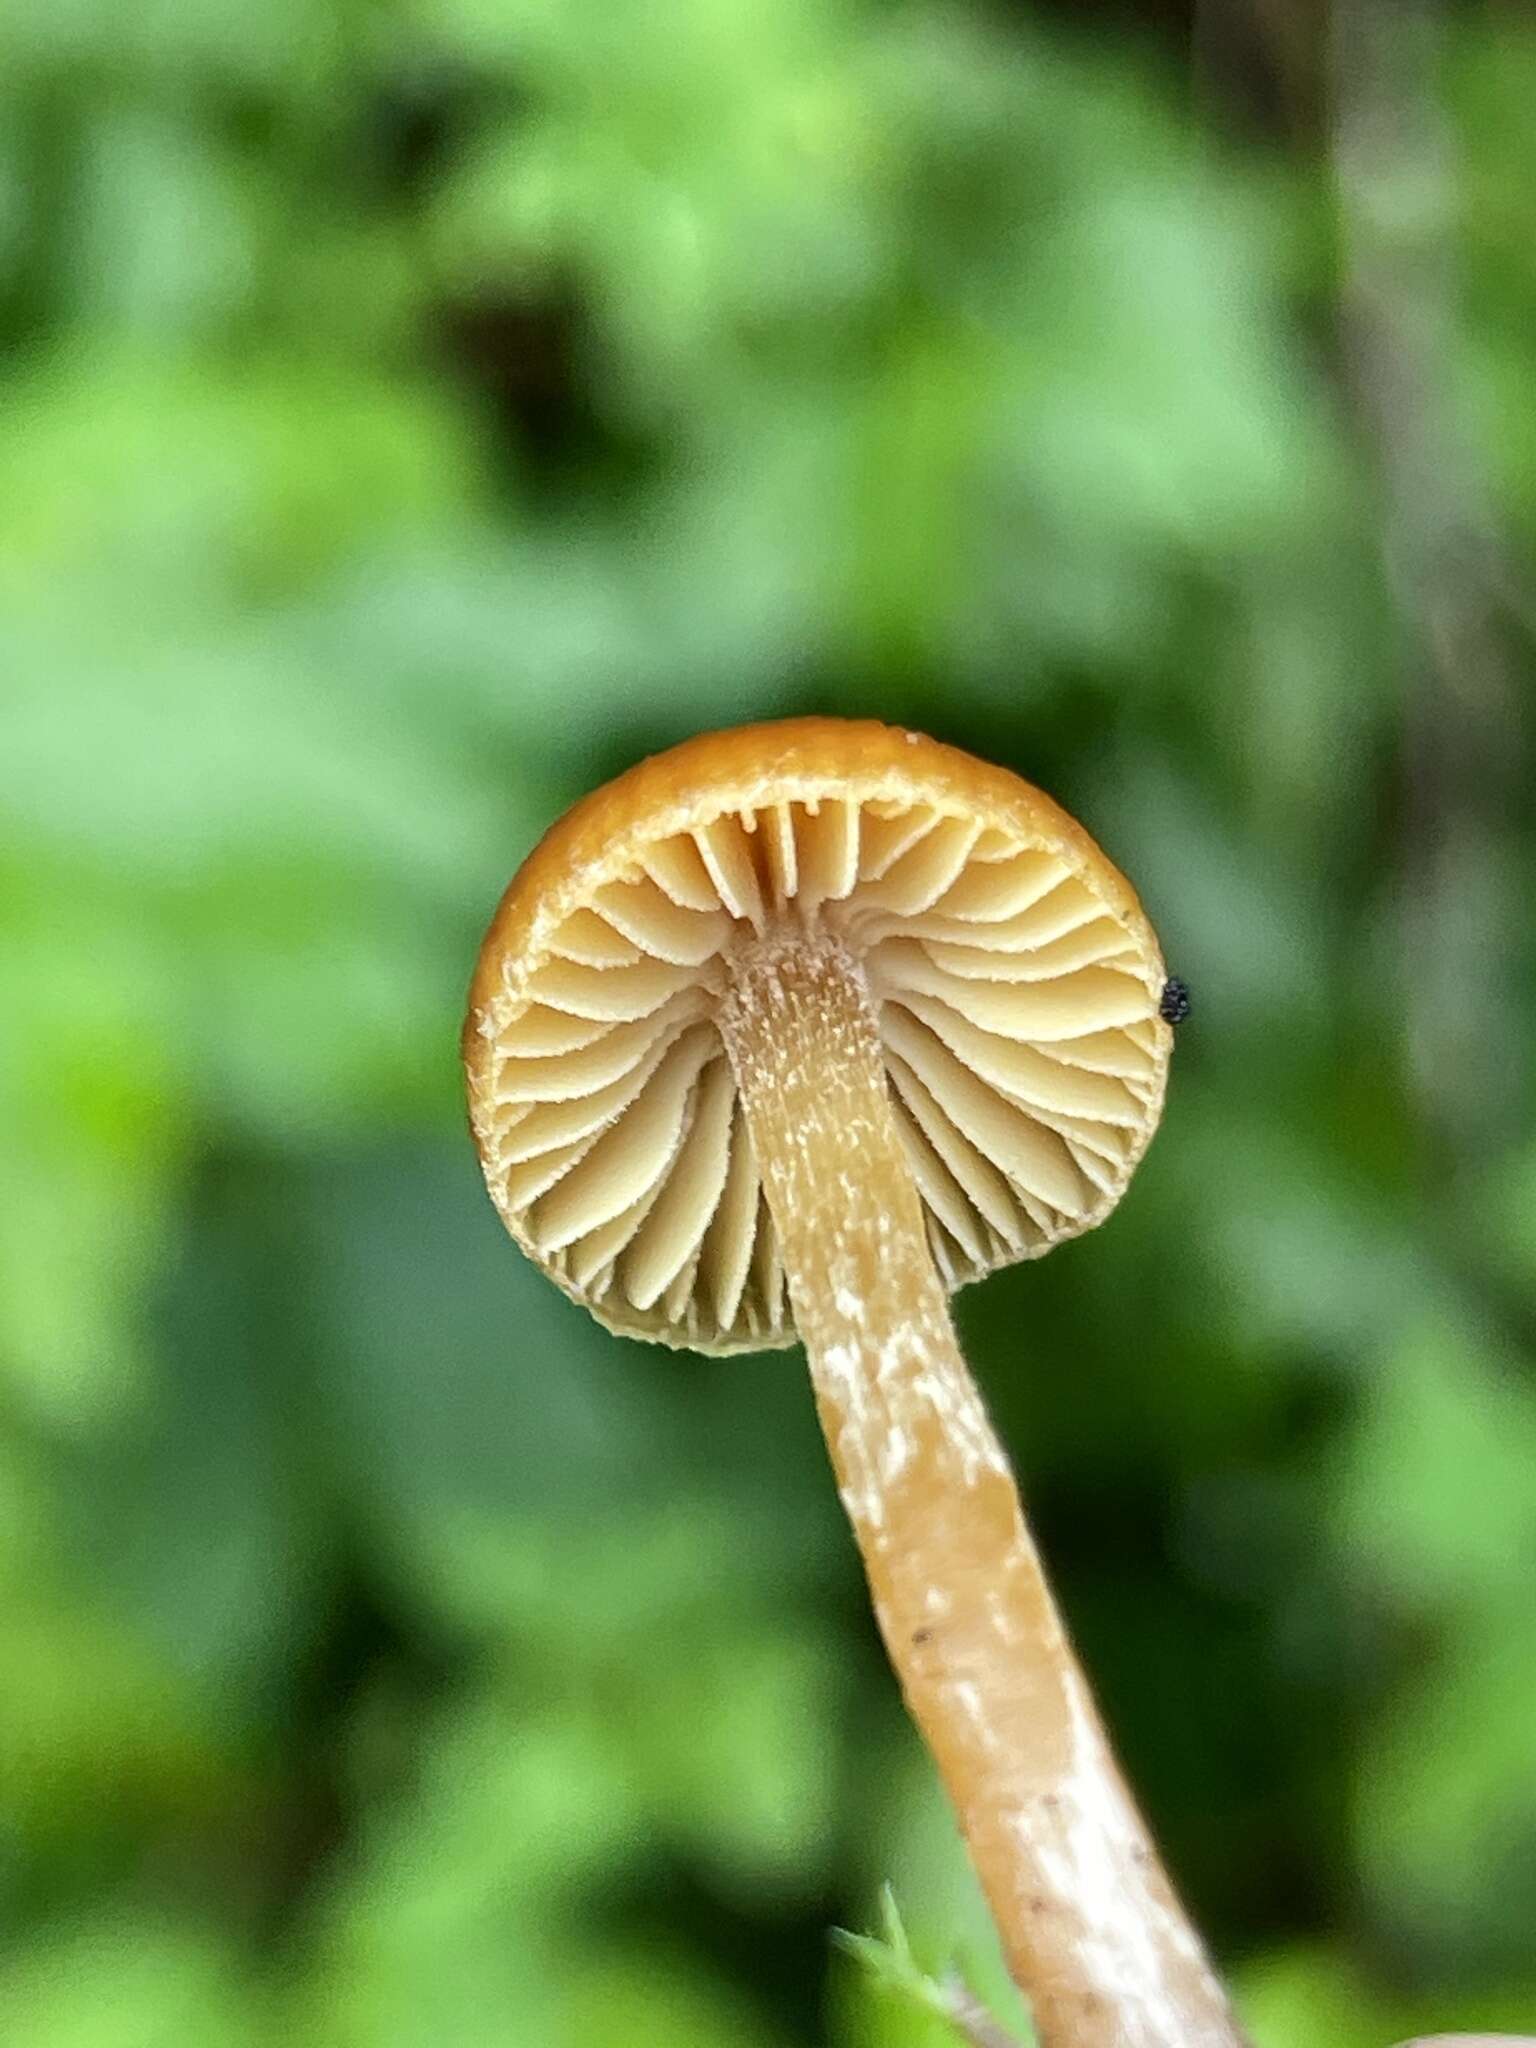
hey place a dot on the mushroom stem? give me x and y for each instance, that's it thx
(1091, 1927)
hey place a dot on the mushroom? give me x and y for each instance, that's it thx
(787, 1033)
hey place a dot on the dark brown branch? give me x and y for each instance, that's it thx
(1455, 593)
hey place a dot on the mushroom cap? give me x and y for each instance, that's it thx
(1014, 975)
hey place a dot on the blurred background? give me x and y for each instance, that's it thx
(413, 411)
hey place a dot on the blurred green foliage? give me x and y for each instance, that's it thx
(412, 411)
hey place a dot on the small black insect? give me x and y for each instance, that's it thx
(1175, 1005)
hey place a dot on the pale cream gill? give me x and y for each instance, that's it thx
(1025, 1058)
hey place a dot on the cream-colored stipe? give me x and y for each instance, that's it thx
(1018, 1009)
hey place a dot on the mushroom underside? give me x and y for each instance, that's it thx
(1025, 1059)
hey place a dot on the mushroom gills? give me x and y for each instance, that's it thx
(1015, 1005)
